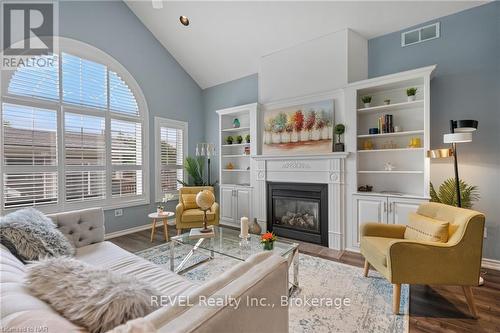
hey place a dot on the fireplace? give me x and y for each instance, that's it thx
(298, 211)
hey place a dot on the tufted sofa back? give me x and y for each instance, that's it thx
(81, 227)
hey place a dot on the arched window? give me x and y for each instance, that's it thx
(74, 133)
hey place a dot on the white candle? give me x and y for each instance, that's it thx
(244, 226)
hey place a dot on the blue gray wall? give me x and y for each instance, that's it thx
(466, 86)
(170, 92)
(233, 93)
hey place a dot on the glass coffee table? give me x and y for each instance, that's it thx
(227, 242)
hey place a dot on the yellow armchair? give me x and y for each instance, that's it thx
(456, 262)
(187, 212)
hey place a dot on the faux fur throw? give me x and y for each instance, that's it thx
(95, 298)
(30, 235)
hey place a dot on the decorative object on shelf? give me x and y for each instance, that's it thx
(247, 150)
(244, 227)
(194, 168)
(267, 240)
(411, 92)
(365, 188)
(387, 101)
(385, 124)
(367, 145)
(247, 138)
(236, 123)
(373, 130)
(205, 199)
(389, 145)
(339, 130)
(229, 140)
(239, 139)
(448, 195)
(206, 150)
(159, 209)
(366, 101)
(397, 129)
(230, 166)
(300, 129)
(389, 166)
(415, 143)
(254, 227)
(248, 167)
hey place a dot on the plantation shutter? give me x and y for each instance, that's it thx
(171, 158)
(29, 155)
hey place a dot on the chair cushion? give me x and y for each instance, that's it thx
(196, 215)
(376, 249)
(189, 201)
(426, 229)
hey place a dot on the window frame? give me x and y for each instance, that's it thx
(166, 122)
(88, 52)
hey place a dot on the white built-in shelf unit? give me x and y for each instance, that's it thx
(410, 172)
(234, 161)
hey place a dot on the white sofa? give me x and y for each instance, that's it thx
(263, 275)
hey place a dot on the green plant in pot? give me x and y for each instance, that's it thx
(447, 193)
(239, 139)
(194, 168)
(229, 140)
(411, 92)
(339, 130)
(366, 101)
(247, 138)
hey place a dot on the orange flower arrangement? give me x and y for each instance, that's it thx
(268, 240)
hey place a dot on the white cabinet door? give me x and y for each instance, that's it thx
(399, 208)
(227, 203)
(368, 209)
(242, 203)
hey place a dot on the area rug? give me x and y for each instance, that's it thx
(370, 299)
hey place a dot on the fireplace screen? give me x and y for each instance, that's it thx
(296, 213)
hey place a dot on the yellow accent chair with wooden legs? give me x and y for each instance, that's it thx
(457, 261)
(187, 213)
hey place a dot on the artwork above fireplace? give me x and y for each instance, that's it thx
(298, 211)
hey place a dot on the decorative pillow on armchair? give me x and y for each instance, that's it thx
(429, 231)
(31, 235)
(189, 201)
(91, 297)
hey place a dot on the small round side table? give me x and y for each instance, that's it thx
(164, 217)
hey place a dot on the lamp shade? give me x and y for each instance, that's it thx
(457, 137)
(465, 126)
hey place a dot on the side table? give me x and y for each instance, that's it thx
(164, 217)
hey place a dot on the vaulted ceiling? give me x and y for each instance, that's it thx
(225, 40)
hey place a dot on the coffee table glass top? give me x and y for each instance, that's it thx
(227, 242)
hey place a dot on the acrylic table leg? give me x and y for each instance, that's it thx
(296, 268)
(172, 245)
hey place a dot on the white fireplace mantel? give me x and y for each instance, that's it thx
(317, 169)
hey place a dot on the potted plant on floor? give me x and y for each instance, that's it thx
(366, 101)
(411, 92)
(339, 130)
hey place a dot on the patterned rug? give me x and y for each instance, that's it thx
(370, 308)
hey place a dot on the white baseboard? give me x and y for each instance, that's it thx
(131, 230)
(491, 264)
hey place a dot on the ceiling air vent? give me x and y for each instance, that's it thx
(419, 35)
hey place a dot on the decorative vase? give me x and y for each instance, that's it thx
(236, 123)
(294, 137)
(276, 138)
(304, 136)
(367, 105)
(254, 227)
(411, 98)
(315, 134)
(285, 137)
(339, 146)
(268, 246)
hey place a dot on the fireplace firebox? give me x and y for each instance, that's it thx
(298, 211)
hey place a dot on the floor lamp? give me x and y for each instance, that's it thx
(207, 150)
(461, 132)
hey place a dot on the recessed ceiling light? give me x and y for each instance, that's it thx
(184, 20)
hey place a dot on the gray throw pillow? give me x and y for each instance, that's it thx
(31, 235)
(92, 297)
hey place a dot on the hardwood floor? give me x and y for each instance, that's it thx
(433, 309)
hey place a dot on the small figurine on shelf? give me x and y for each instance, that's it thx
(229, 166)
(415, 143)
(366, 101)
(229, 140)
(389, 166)
(247, 150)
(239, 139)
(247, 138)
(236, 123)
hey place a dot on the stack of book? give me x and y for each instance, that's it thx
(386, 124)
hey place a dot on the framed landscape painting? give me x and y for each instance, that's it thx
(301, 129)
